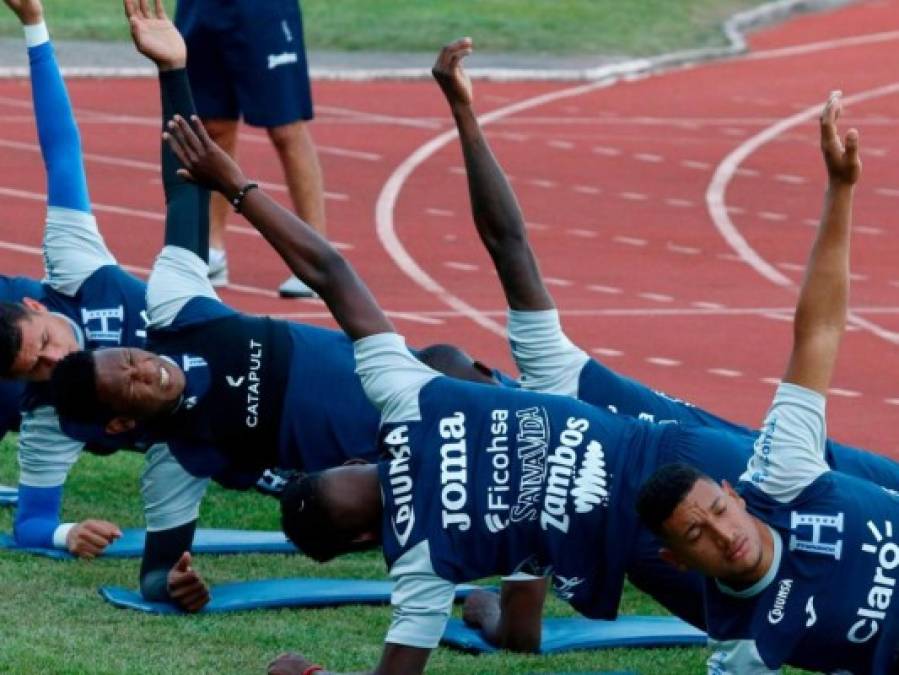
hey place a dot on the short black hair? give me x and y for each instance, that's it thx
(73, 389)
(663, 491)
(310, 524)
(11, 315)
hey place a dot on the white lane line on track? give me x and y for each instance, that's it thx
(371, 118)
(823, 45)
(728, 167)
(887, 192)
(586, 189)
(609, 290)
(148, 166)
(845, 393)
(642, 312)
(772, 215)
(555, 281)
(122, 211)
(662, 361)
(790, 179)
(580, 232)
(695, 164)
(442, 213)
(649, 157)
(630, 241)
(683, 250)
(606, 151)
(634, 196)
(143, 120)
(560, 145)
(725, 372)
(607, 352)
(679, 203)
(656, 297)
(461, 266)
(542, 183)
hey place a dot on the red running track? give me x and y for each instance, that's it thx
(672, 214)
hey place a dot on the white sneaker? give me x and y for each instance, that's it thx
(218, 267)
(294, 288)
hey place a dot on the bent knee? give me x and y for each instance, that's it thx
(288, 135)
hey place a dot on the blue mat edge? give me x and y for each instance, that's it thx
(136, 603)
(476, 644)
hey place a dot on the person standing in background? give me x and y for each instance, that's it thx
(247, 59)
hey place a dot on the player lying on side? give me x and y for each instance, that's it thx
(87, 301)
(774, 549)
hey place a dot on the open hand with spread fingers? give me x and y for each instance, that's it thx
(154, 35)
(450, 74)
(840, 155)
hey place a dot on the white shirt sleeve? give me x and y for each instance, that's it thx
(391, 376)
(73, 249)
(422, 601)
(178, 276)
(789, 452)
(737, 657)
(171, 495)
(547, 360)
(46, 454)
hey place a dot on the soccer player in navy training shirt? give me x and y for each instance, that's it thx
(562, 506)
(548, 361)
(774, 548)
(86, 301)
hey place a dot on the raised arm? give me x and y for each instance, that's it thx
(311, 257)
(821, 310)
(495, 210)
(187, 204)
(73, 247)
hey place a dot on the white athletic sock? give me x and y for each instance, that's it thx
(36, 34)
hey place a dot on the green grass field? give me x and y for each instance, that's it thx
(601, 27)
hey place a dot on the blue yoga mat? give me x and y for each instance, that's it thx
(9, 496)
(131, 544)
(562, 635)
(271, 594)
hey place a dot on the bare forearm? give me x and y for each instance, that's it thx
(498, 217)
(825, 290)
(821, 310)
(314, 260)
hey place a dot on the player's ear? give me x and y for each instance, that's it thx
(34, 305)
(671, 558)
(119, 425)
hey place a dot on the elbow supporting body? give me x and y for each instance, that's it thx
(37, 516)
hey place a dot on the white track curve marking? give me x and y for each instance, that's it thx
(724, 173)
